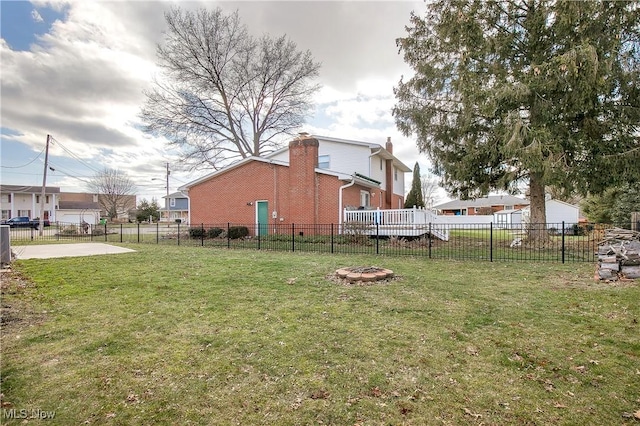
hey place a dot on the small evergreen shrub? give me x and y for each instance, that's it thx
(197, 232)
(236, 232)
(214, 232)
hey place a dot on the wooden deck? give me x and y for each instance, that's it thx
(395, 222)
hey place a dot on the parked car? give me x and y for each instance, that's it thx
(24, 222)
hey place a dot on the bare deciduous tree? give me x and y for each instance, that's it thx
(115, 191)
(225, 94)
(429, 187)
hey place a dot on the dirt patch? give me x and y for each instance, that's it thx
(15, 309)
(570, 281)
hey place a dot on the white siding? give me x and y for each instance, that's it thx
(398, 185)
(376, 173)
(281, 156)
(346, 158)
(557, 212)
(349, 158)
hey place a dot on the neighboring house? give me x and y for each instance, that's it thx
(78, 208)
(125, 206)
(177, 204)
(481, 206)
(557, 212)
(311, 181)
(18, 200)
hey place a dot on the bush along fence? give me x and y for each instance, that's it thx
(558, 242)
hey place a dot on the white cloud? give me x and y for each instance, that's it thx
(36, 16)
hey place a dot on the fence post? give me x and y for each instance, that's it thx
(563, 241)
(228, 236)
(293, 237)
(491, 241)
(121, 233)
(105, 230)
(377, 238)
(430, 239)
(332, 238)
(157, 232)
(138, 231)
(258, 234)
(178, 234)
(202, 235)
(58, 231)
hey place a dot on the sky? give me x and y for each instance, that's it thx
(78, 71)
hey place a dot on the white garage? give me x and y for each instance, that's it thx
(76, 213)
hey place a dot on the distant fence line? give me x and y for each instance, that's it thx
(563, 242)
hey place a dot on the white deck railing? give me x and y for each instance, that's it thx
(399, 222)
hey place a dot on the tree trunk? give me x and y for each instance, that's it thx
(538, 218)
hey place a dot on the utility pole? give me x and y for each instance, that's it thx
(44, 186)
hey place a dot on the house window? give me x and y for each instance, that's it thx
(381, 163)
(323, 161)
(365, 199)
(395, 173)
(46, 199)
(172, 202)
(6, 214)
(508, 207)
(24, 213)
(6, 198)
(37, 199)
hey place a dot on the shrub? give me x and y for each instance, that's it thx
(236, 232)
(197, 232)
(97, 230)
(214, 232)
(69, 230)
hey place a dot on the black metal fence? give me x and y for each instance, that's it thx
(557, 242)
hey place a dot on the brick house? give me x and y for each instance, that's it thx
(481, 206)
(311, 181)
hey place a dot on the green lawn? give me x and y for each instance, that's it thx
(191, 335)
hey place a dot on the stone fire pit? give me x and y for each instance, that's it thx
(364, 274)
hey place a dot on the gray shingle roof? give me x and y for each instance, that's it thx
(491, 200)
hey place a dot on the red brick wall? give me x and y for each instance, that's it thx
(303, 181)
(224, 198)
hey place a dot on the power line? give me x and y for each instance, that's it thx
(22, 173)
(57, 167)
(19, 167)
(75, 156)
(71, 176)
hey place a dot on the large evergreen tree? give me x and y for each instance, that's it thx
(615, 205)
(414, 197)
(540, 92)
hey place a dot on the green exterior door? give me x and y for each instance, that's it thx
(263, 217)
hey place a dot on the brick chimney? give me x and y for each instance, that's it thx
(389, 145)
(303, 159)
(388, 187)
